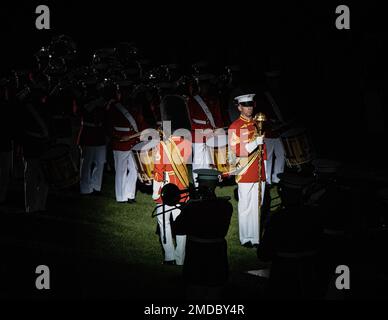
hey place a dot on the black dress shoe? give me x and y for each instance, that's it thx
(248, 244)
(169, 262)
(131, 201)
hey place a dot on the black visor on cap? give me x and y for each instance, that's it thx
(247, 104)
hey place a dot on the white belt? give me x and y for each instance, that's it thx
(90, 124)
(122, 129)
(199, 121)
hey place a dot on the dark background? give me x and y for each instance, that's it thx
(325, 71)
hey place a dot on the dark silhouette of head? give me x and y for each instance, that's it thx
(207, 182)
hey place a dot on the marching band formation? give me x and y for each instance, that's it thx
(179, 130)
(78, 121)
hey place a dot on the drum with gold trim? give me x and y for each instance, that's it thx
(297, 146)
(219, 152)
(143, 154)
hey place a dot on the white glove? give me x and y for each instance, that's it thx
(259, 140)
(254, 144)
(156, 189)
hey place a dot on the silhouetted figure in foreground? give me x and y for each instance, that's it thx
(205, 221)
(291, 241)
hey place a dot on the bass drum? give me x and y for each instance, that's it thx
(297, 146)
(218, 148)
(143, 154)
(59, 168)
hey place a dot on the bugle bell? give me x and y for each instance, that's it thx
(171, 194)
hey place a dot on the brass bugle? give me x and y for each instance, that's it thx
(171, 194)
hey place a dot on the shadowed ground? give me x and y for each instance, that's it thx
(97, 248)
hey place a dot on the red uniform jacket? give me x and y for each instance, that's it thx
(119, 127)
(199, 119)
(240, 132)
(163, 166)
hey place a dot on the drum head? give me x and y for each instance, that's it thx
(146, 145)
(217, 141)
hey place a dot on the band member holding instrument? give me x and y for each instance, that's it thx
(124, 132)
(245, 145)
(171, 157)
(205, 115)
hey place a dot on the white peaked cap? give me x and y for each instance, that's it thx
(245, 98)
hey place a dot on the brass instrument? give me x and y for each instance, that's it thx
(259, 119)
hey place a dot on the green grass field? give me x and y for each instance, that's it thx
(111, 250)
(126, 234)
(98, 248)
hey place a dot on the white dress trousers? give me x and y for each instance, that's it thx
(126, 175)
(171, 251)
(92, 168)
(275, 159)
(248, 214)
(201, 159)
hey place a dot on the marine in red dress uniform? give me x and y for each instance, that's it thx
(122, 126)
(244, 146)
(205, 116)
(171, 158)
(170, 167)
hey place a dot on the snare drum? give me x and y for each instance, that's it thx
(59, 168)
(218, 147)
(143, 155)
(297, 146)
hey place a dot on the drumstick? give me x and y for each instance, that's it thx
(127, 138)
